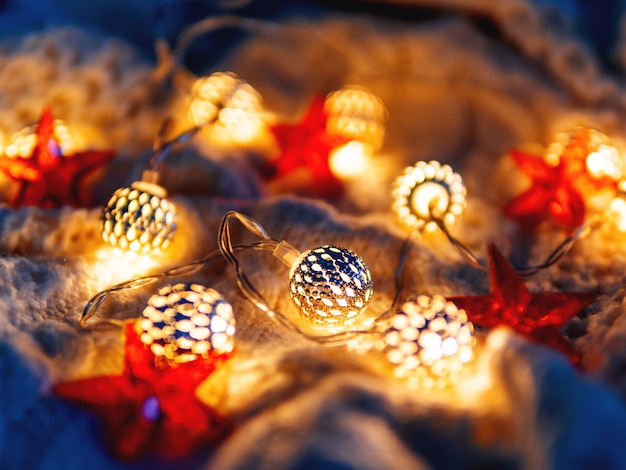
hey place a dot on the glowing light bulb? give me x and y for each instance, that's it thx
(429, 340)
(426, 191)
(186, 321)
(139, 219)
(596, 149)
(350, 160)
(330, 285)
(22, 143)
(356, 114)
(233, 103)
(617, 208)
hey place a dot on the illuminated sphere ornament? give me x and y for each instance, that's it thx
(184, 322)
(231, 103)
(617, 208)
(139, 219)
(429, 339)
(598, 151)
(330, 285)
(428, 191)
(355, 113)
(23, 142)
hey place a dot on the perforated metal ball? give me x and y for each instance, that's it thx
(430, 339)
(357, 114)
(185, 321)
(232, 104)
(330, 285)
(139, 219)
(595, 149)
(425, 191)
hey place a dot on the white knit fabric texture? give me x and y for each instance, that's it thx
(454, 95)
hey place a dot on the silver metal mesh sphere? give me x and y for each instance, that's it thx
(139, 219)
(186, 321)
(330, 285)
(430, 339)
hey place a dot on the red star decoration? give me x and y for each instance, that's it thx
(151, 407)
(538, 317)
(557, 193)
(305, 148)
(48, 178)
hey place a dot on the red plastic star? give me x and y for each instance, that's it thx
(538, 317)
(151, 407)
(48, 178)
(557, 193)
(305, 147)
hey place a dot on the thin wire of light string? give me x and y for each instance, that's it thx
(214, 23)
(405, 250)
(254, 296)
(161, 147)
(554, 257)
(96, 301)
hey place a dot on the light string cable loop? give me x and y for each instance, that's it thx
(555, 255)
(182, 76)
(161, 147)
(283, 251)
(405, 250)
(182, 270)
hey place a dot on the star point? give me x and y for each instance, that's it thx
(151, 407)
(49, 179)
(302, 165)
(538, 317)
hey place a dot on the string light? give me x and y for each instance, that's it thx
(359, 116)
(617, 208)
(22, 143)
(429, 340)
(139, 219)
(183, 322)
(598, 151)
(231, 103)
(428, 191)
(330, 285)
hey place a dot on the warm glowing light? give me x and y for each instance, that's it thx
(330, 285)
(233, 103)
(428, 191)
(23, 142)
(357, 114)
(139, 218)
(617, 209)
(602, 158)
(350, 160)
(429, 340)
(186, 321)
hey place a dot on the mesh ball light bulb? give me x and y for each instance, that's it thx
(429, 339)
(598, 151)
(426, 191)
(139, 218)
(184, 322)
(330, 285)
(231, 103)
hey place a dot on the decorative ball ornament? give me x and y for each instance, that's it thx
(22, 143)
(429, 340)
(186, 321)
(598, 151)
(357, 114)
(428, 191)
(139, 219)
(330, 285)
(231, 103)
(617, 208)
